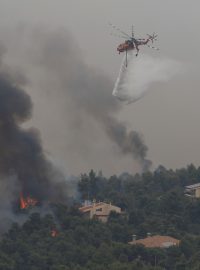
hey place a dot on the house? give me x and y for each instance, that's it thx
(193, 190)
(156, 241)
(99, 210)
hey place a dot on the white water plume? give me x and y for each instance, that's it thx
(134, 81)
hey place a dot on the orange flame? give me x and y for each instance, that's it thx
(27, 202)
(54, 233)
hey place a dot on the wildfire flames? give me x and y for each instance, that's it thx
(54, 233)
(27, 202)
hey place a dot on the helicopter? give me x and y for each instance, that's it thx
(132, 43)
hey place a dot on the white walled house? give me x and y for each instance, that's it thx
(99, 210)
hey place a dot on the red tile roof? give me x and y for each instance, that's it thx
(157, 241)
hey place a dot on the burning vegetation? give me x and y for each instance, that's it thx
(54, 232)
(27, 177)
(27, 202)
(22, 156)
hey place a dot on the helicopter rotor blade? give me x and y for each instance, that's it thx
(152, 37)
(152, 47)
(119, 30)
(119, 36)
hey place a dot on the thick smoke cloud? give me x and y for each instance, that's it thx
(22, 156)
(72, 98)
(55, 61)
(86, 91)
(131, 143)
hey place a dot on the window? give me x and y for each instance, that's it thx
(98, 209)
(167, 244)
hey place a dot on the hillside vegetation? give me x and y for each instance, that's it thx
(152, 202)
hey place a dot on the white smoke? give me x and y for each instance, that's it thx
(134, 81)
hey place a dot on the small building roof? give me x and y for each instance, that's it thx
(194, 186)
(89, 207)
(157, 241)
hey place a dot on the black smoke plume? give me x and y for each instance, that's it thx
(89, 90)
(82, 94)
(129, 142)
(21, 154)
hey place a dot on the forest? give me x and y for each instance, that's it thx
(152, 202)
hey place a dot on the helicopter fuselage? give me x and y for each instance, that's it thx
(131, 45)
(126, 46)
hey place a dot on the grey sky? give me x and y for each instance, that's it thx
(168, 116)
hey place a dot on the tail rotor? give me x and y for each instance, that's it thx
(152, 37)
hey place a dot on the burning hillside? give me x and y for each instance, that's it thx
(26, 202)
(54, 232)
(21, 150)
(24, 168)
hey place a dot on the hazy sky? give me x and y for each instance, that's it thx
(168, 117)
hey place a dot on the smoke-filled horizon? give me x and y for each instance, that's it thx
(75, 99)
(167, 116)
(80, 96)
(86, 91)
